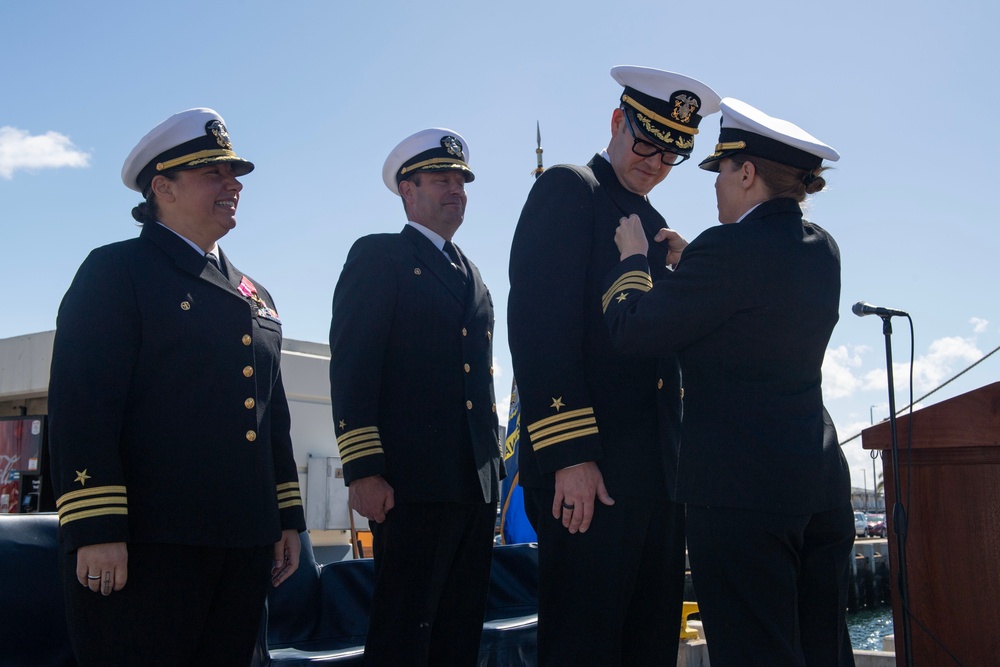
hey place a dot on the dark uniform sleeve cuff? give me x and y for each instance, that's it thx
(565, 439)
(630, 275)
(361, 453)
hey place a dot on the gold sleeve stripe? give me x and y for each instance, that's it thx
(622, 292)
(359, 449)
(357, 433)
(94, 491)
(562, 438)
(563, 426)
(554, 419)
(358, 440)
(637, 279)
(369, 451)
(108, 501)
(361, 446)
(288, 495)
(89, 514)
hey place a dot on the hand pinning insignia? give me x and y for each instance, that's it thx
(82, 477)
(621, 297)
(557, 403)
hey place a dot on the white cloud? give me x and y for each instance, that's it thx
(502, 389)
(979, 325)
(838, 377)
(20, 150)
(945, 357)
(503, 410)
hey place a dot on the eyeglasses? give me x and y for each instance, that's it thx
(646, 149)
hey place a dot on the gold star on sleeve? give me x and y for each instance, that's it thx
(621, 297)
(82, 477)
(557, 403)
(638, 280)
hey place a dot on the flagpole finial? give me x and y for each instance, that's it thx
(538, 151)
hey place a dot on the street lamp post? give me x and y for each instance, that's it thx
(874, 453)
(865, 473)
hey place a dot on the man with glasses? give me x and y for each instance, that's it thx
(599, 430)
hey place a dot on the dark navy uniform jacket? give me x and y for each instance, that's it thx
(411, 372)
(168, 418)
(580, 400)
(749, 311)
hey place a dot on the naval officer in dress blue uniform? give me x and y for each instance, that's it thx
(749, 312)
(172, 463)
(411, 380)
(598, 455)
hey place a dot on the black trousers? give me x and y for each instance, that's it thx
(181, 606)
(432, 577)
(610, 596)
(772, 588)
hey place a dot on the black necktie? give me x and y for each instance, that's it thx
(214, 261)
(456, 261)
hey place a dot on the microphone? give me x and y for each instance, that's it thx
(861, 309)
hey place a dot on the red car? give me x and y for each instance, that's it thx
(876, 526)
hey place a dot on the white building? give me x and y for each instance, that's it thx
(305, 368)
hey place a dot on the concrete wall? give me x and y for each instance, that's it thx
(24, 374)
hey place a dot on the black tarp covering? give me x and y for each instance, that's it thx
(320, 615)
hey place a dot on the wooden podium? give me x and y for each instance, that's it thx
(950, 488)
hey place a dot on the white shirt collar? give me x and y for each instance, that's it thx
(434, 237)
(748, 212)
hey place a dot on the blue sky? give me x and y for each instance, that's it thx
(317, 93)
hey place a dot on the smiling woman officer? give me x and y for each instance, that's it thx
(749, 312)
(171, 455)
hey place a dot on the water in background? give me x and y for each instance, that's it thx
(867, 627)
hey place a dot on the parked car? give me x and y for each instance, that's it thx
(876, 525)
(860, 524)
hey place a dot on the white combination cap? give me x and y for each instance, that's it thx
(186, 140)
(668, 106)
(433, 149)
(748, 130)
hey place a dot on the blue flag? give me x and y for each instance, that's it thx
(514, 525)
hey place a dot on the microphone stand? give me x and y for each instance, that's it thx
(899, 526)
